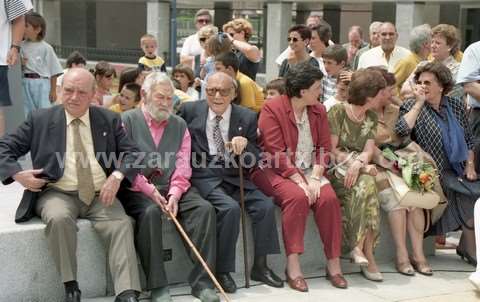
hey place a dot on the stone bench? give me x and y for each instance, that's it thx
(28, 272)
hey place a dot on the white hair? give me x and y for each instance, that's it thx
(374, 25)
(156, 78)
(419, 36)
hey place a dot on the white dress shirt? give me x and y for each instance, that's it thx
(224, 126)
(376, 57)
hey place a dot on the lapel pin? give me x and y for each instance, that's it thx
(104, 133)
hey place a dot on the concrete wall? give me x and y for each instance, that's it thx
(123, 28)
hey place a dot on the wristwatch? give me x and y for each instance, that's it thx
(15, 46)
(118, 175)
(315, 177)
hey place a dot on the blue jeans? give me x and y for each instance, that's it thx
(36, 94)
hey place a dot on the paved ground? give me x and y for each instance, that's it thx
(449, 283)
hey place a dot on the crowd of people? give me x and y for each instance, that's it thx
(315, 138)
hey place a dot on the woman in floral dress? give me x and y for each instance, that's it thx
(353, 127)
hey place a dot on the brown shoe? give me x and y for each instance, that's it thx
(298, 283)
(422, 267)
(337, 280)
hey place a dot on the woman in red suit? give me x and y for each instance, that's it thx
(295, 138)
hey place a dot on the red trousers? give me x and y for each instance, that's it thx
(295, 208)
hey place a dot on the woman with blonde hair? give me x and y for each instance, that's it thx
(239, 33)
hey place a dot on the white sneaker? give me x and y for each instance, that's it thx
(475, 280)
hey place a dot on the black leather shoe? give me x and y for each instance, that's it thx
(126, 299)
(73, 296)
(227, 282)
(266, 276)
(127, 296)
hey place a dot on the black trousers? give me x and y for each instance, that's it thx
(474, 120)
(261, 210)
(196, 216)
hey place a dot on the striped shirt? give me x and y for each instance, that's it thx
(14, 9)
(329, 87)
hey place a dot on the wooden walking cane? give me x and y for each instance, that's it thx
(197, 254)
(244, 228)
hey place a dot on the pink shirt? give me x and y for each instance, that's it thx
(180, 180)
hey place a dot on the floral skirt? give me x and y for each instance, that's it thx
(360, 210)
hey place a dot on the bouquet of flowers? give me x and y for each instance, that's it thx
(418, 174)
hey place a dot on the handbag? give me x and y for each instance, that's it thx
(461, 190)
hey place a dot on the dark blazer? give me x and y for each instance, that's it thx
(279, 136)
(43, 134)
(209, 174)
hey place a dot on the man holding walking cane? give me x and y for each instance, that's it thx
(214, 125)
(164, 142)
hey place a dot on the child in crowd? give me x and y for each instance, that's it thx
(335, 59)
(74, 60)
(131, 75)
(129, 98)
(216, 45)
(104, 74)
(40, 65)
(184, 75)
(275, 88)
(341, 93)
(150, 60)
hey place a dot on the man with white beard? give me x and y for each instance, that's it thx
(165, 141)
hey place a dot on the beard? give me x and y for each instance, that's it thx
(157, 114)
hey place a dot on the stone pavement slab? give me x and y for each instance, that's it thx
(449, 283)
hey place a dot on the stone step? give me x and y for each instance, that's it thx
(28, 272)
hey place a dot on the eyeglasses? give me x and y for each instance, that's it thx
(213, 91)
(203, 21)
(387, 34)
(294, 40)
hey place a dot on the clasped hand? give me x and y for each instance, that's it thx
(29, 180)
(167, 206)
(237, 145)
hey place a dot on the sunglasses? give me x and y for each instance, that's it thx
(213, 91)
(203, 21)
(294, 40)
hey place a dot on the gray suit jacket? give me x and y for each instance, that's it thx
(206, 173)
(43, 134)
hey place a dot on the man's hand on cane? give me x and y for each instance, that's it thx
(172, 205)
(159, 200)
(237, 145)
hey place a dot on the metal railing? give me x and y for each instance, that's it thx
(122, 55)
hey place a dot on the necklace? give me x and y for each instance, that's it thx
(354, 116)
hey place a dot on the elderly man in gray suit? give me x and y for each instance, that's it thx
(212, 124)
(164, 140)
(71, 146)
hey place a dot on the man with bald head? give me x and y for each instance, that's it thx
(388, 53)
(220, 131)
(80, 155)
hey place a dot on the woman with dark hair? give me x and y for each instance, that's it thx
(353, 128)
(438, 123)
(321, 34)
(296, 141)
(298, 39)
(402, 220)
